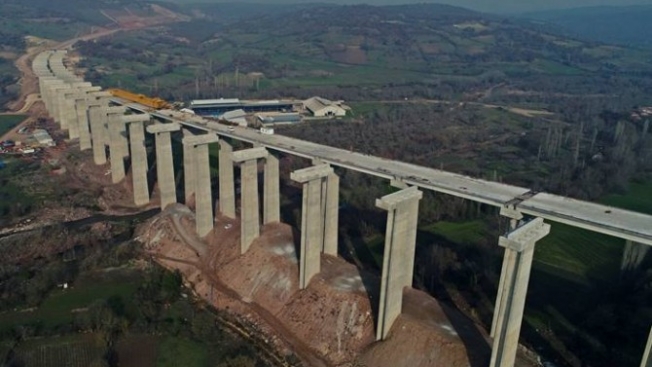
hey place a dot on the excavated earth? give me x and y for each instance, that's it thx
(331, 323)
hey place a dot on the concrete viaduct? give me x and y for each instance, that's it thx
(97, 120)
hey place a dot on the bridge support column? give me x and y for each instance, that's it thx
(331, 204)
(81, 107)
(60, 104)
(69, 113)
(398, 259)
(97, 117)
(164, 163)
(189, 185)
(519, 247)
(227, 182)
(117, 144)
(647, 354)
(202, 180)
(139, 163)
(272, 204)
(312, 220)
(249, 212)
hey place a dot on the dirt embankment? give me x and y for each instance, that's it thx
(331, 323)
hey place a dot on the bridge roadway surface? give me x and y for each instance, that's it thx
(616, 222)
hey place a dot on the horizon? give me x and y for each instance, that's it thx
(489, 6)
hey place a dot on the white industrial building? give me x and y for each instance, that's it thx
(236, 116)
(321, 107)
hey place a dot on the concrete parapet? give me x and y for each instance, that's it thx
(398, 258)
(226, 178)
(519, 251)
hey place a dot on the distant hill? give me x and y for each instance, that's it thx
(624, 25)
(429, 38)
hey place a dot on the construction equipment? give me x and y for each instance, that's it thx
(156, 103)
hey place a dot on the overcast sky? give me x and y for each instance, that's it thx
(496, 6)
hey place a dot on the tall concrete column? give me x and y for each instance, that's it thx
(331, 213)
(116, 143)
(249, 212)
(202, 171)
(515, 216)
(139, 163)
(272, 204)
(312, 220)
(164, 162)
(519, 247)
(97, 116)
(81, 108)
(189, 185)
(398, 259)
(69, 113)
(227, 181)
(647, 355)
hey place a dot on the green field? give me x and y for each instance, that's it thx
(174, 350)
(462, 233)
(61, 306)
(638, 198)
(7, 122)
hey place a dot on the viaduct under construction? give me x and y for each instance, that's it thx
(99, 119)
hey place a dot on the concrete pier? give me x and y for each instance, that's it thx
(312, 220)
(398, 259)
(249, 211)
(97, 116)
(116, 144)
(139, 163)
(189, 185)
(164, 162)
(227, 182)
(271, 197)
(519, 247)
(203, 196)
(647, 355)
(331, 204)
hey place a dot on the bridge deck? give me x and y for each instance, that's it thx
(599, 218)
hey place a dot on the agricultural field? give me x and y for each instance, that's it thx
(8, 122)
(70, 351)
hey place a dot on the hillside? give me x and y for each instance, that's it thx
(624, 25)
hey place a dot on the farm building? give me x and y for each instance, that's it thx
(321, 107)
(216, 107)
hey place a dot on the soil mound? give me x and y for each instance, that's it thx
(331, 323)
